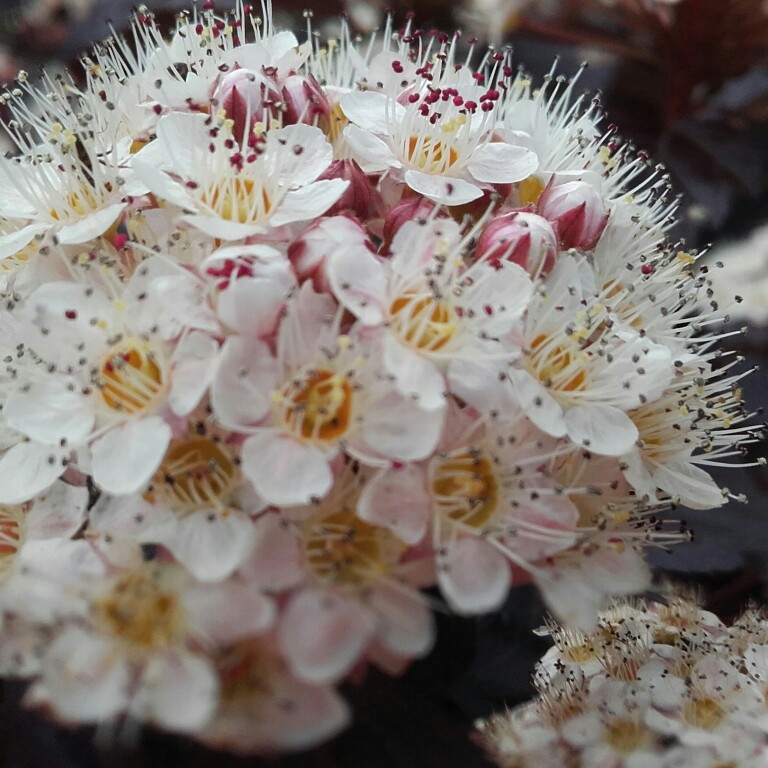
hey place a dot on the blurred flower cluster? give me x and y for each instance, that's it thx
(658, 684)
(292, 331)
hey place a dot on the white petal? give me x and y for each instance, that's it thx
(442, 189)
(601, 428)
(475, 577)
(84, 678)
(13, 242)
(251, 306)
(397, 498)
(211, 545)
(696, 489)
(371, 110)
(500, 163)
(414, 376)
(192, 371)
(277, 559)
(539, 406)
(227, 612)
(371, 153)
(58, 513)
(245, 377)
(398, 428)
(285, 471)
(178, 690)
(638, 475)
(90, 226)
(162, 185)
(407, 628)
(308, 202)
(222, 229)
(299, 168)
(126, 457)
(28, 469)
(323, 634)
(359, 282)
(482, 383)
(50, 409)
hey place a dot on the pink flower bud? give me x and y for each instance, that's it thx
(360, 197)
(409, 209)
(304, 101)
(578, 212)
(308, 252)
(519, 236)
(245, 95)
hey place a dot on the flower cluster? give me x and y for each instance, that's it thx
(662, 685)
(291, 331)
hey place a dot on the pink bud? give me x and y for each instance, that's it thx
(304, 101)
(245, 95)
(308, 252)
(360, 197)
(519, 236)
(578, 212)
(409, 209)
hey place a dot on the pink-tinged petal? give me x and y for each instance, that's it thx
(407, 627)
(222, 229)
(359, 281)
(500, 163)
(162, 185)
(277, 558)
(58, 513)
(178, 691)
(322, 635)
(539, 406)
(211, 545)
(396, 498)
(304, 325)
(28, 469)
(252, 306)
(397, 428)
(308, 202)
(473, 576)
(13, 242)
(90, 226)
(192, 372)
(228, 612)
(126, 457)
(414, 376)
(50, 409)
(691, 484)
(85, 680)
(601, 428)
(244, 379)
(442, 189)
(300, 715)
(371, 153)
(285, 471)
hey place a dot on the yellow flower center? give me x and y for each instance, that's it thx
(141, 610)
(626, 735)
(555, 365)
(195, 474)
(319, 406)
(130, 380)
(430, 155)
(238, 199)
(706, 713)
(423, 321)
(465, 489)
(343, 550)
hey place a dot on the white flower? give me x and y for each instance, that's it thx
(229, 192)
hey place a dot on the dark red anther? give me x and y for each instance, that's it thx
(70, 314)
(647, 269)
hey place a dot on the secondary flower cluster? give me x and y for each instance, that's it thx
(291, 332)
(657, 685)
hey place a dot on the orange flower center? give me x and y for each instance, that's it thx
(240, 200)
(431, 155)
(130, 380)
(555, 366)
(423, 321)
(465, 489)
(319, 406)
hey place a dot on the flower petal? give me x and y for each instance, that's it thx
(442, 189)
(601, 428)
(501, 163)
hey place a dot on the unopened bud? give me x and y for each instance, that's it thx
(519, 236)
(577, 210)
(360, 197)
